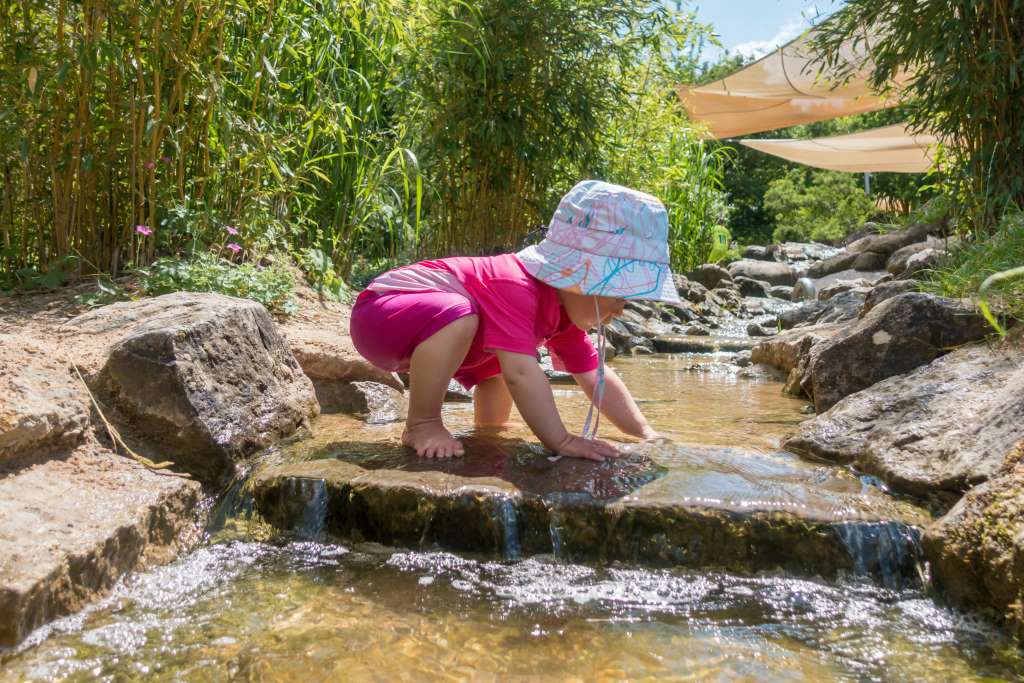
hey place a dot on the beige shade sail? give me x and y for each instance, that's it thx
(889, 149)
(781, 90)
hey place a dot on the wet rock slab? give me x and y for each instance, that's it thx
(71, 526)
(945, 426)
(665, 505)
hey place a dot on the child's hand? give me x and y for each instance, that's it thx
(578, 447)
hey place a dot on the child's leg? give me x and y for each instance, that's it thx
(492, 402)
(431, 367)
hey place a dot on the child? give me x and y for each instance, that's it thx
(480, 320)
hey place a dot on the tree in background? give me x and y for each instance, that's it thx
(966, 61)
(823, 206)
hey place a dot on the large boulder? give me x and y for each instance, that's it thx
(757, 253)
(839, 286)
(893, 338)
(976, 551)
(749, 287)
(790, 351)
(840, 307)
(769, 271)
(870, 261)
(710, 275)
(897, 262)
(42, 406)
(889, 242)
(842, 261)
(886, 291)
(205, 377)
(943, 427)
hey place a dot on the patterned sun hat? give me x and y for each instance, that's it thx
(605, 240)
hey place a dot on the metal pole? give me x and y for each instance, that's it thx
(867, 183)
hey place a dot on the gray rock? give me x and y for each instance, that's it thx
(870, 260)
(799, 252)
(889, 242)
(749, 287)
(782, 292)
(897, 262)
(376, 403)
(926, 259)
(843, 306)
(683, 344)
(742, 359)
(697, 331)
(789, 352)
(841, 261)
(885, 291)
(43, 408)
(693, 292)
(709, 275)
(70, 528)
(773, 273)
(839, 286)
(804, 314)
(976, 551)
(206, 377)
(757, 253)
(684, 312)
(644, 310)
(943, 427)
(893, 338)
(804, 290)
(756, 330)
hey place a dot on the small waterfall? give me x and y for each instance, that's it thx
(889, 551)
(313, 492)
(236, 503)
(508, 518)
(555, 529)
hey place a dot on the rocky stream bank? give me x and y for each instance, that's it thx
(912, 455)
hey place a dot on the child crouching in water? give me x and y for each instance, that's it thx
(481, 319)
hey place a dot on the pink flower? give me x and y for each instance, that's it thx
(231, 229)
(234, 247)
(150, 165)
(144, 230)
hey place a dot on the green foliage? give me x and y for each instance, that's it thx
(965, 62)
(205, 272)
(973, 261)
(823, 206)
(518, 100)
(189, 115)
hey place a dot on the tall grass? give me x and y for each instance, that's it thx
(187, 116)
(970, 263)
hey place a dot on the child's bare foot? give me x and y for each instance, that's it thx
(432, 440)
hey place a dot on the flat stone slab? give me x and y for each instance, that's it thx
(667, 505)
(70, 527)
(669, 343)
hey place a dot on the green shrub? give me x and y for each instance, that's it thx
(823, 206)
(271, 286)
(962, 273)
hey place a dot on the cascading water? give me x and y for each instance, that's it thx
(888, 551)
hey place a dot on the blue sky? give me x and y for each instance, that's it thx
(754, 27)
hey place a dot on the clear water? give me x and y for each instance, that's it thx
(236, 608)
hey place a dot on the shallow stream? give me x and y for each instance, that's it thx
(303, 610)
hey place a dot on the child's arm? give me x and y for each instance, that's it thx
(618, 404)
(532, 395)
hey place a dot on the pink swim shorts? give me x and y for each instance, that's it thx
(386, 327)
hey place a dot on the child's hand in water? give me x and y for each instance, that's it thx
(578, 447)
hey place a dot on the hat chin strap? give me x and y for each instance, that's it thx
(594, 413)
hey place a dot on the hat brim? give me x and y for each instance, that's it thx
(573, 270)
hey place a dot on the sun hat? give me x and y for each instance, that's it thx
(605, 240)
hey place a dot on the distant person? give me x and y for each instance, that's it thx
(481, 319)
